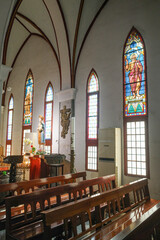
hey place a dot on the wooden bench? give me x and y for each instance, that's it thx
(28, 217)
(18, 188)
(77, 217)
(146, 227)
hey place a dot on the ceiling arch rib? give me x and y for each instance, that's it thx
(27, 25)
(90, 10)
(86, 32)
(56, 16)
(39, 31)
(22, 24)
(36, 11)
(70, 13)
(22, 33)
(9, 31)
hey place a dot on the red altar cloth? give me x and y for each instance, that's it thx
(35, 167)
(38, 168)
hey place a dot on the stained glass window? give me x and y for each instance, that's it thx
(28, 101)
(134, 76)
(9, 127)
(92, 121)
(28, 107)
(135, 106)
(49, 117)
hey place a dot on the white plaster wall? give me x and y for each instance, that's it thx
(37, 56)
(103, 51)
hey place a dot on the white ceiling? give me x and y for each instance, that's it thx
(64, 24)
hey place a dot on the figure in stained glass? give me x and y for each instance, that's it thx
(134, 76)
(28, 102)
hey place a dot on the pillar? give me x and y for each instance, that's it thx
(66, 100)
(4, 71)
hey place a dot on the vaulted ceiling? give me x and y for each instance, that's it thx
(63, 24)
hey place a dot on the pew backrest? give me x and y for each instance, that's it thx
(33, 203)
(29, 186)
(114, 203)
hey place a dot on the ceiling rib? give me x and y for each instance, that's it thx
(87, 32)
(67, 37)
(41, 32)
(9, 31)
(75, 43)
(22, 24)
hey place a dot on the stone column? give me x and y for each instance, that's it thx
(4, 71)
(66, 100)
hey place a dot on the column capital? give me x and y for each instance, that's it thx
(4, 71)
(66, 95)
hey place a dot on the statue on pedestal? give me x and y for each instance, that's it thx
(41, 131)
(65, 120)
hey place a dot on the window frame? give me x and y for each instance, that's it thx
(48, 142)
(91, 142)
(28, 126)
(137, 118)
(9, 142)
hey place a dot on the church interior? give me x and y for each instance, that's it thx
(78, 117)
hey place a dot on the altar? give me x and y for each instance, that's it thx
(45, 166)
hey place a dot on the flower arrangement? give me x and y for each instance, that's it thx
(28, 141)
(40, 152)
(33, 149)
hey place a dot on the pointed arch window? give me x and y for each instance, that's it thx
(9, 126)
(48, 118)
(135, 106)
(92, 122)
(28, 107)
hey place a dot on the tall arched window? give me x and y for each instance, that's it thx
(135, 106)
(48, 118)
(9, 126)
(92, 122)
(28, 107)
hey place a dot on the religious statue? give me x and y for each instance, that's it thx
(41, 136)
(65, 120)
(135, 74)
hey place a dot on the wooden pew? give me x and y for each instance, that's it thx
(18, 188)
(117, 202)
(147, 227)
(29, 215)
